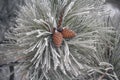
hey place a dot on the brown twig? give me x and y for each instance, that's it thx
(101, 77)
(60, 19)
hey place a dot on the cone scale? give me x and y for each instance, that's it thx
(57, 38)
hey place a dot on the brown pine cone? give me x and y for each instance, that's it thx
(67, 33)
(57, 38)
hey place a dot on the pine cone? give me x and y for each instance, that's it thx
(57, 38)
(67, 33)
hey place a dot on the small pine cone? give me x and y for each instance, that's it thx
(67, 33)
(57, 38)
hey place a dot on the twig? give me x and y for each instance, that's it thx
(9, 64)
(11, 70)
(101, 77)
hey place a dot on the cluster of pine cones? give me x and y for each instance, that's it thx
(60, 33)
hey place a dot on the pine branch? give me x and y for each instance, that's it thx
(75, 56)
